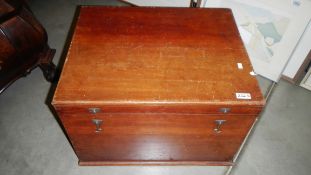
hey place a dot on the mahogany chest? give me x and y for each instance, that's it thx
(156, 86)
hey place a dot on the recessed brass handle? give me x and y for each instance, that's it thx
(218, 123)
(98, 124)
(225, 110)
(94, 110)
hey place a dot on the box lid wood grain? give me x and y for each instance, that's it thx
(127, 59)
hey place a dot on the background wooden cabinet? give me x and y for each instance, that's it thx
(23, 44)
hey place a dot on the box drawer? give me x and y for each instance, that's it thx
(225, 109)
(156, 138)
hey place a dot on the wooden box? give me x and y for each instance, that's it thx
(156, 86)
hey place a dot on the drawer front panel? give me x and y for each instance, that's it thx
(156, 137)
(168, 108)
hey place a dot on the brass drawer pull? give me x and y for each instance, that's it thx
(94, 110)
(98, 124)
(225, 110)
(217, 129)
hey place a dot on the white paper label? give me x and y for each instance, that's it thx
(246, 96)
(240, 65)
(252, 73)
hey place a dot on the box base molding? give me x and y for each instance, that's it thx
(154, 163)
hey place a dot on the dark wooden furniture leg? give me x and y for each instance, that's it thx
(23, 44)
(47, 66)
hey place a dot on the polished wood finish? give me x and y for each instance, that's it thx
(160, 80)
(156, 55)
(154, 137)
(192, 108)
(23, 44)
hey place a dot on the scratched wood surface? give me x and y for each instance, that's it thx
(160, 77)
(128, 55)
(156, 138)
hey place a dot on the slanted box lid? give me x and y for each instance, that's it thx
(157, 60)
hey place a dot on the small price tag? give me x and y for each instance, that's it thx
(245, 96)
(240, 65)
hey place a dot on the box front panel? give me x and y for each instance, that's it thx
(184, 108)
(156, 137)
